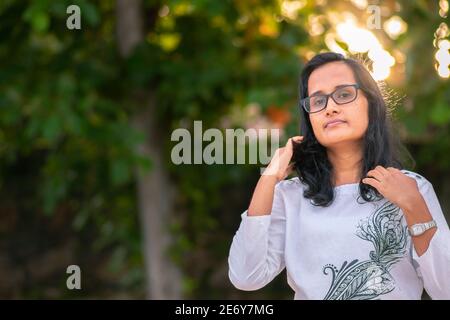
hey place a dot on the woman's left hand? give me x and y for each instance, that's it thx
(393, 184)
(403, 191)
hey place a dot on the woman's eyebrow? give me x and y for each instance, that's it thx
(321, 92)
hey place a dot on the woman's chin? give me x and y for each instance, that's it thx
(333, 140)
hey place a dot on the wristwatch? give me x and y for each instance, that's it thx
(419, 228)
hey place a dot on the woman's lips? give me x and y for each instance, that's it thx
(334, 124)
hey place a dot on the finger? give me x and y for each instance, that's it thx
(296, 139)
(288, 143)
(393, 170)
(382, 170)
(375, 174)
(373, 182)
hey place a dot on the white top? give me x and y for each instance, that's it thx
(348, 250)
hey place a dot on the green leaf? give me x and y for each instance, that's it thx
(52, 128)
(120, 171)
(440, 114)
(40, 21)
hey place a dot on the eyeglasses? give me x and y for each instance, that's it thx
(342, 95)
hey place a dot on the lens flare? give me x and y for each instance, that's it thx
(360, 40)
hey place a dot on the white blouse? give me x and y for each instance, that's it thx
(348, 250)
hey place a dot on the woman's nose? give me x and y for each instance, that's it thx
(332, 107)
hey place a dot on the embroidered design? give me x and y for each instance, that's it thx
(369, 279)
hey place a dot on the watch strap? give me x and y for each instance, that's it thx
(430, 224)
(424, 226)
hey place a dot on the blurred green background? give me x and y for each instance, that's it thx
(86, 118)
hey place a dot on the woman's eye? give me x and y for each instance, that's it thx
(318, 101)
(344, 94)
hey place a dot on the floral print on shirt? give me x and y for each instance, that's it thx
(370, 278)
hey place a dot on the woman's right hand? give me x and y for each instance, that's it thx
(280, 165)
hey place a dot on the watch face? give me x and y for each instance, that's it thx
(418, 229)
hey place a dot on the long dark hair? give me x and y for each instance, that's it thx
(381, 146)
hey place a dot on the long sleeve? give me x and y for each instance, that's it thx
(434, 263)
(256, 254)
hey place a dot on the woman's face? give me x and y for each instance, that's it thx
(324, 80)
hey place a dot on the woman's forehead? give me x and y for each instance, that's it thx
(327, 77)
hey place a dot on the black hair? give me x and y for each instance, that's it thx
(381, 146)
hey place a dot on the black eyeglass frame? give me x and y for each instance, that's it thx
(304, 100)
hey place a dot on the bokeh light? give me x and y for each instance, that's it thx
(443, 58)
(361, 40)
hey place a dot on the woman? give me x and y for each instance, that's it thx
(354, 224)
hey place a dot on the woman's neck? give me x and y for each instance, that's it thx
(346, 162)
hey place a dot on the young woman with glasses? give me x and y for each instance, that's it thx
(354, 224)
